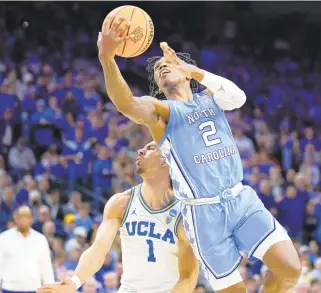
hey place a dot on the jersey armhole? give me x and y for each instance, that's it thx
(128, 206)
(178, 219)
(169, 122)
(205, 92)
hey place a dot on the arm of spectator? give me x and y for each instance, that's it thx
(32, 158)
(1, 256)
(187, 264)
(14, 159)
(93, 258)
(47, 273)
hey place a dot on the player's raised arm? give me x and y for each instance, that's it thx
(93, 258)
(187, 264)
(227, 95)
(141, 110)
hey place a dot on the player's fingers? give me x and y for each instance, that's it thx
(99, 39)
(123, 27)
(117, 23)
(123, 39)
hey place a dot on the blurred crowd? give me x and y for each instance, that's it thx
(65, 149)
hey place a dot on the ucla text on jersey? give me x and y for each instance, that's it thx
(149, 245)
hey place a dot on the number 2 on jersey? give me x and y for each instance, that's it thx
(212, 131)
(151, 256)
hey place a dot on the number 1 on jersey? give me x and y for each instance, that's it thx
(151, 256)
(212, 131)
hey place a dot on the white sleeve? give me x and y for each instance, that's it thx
(48, 276)
(1, 257)
(227, 95)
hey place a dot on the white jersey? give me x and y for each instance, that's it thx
(149, 246)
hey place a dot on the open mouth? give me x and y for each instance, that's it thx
(163, 72)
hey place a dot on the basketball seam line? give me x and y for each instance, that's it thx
(115, 17)
(146, 24)
(131, 17)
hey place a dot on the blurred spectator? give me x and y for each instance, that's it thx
(78, 242)
(111, 283)
(82, 218)
(21, 158)
(316, 272)
(90, 286)
(103, 173)
(7, 206)
(53, 200)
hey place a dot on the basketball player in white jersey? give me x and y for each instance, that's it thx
(157, 256)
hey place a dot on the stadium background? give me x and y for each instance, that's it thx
(65, 150)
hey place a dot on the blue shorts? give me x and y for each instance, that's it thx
(219, 232)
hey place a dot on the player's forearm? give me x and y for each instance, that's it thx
(117, 88)
(89, 263)
(226, 93)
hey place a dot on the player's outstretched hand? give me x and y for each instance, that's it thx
(110, 38)
(65, 286)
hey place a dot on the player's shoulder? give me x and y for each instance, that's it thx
(117, 204)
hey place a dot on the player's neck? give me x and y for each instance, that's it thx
(180, 93)
(157, 193)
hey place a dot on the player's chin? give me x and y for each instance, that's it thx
(139, 170)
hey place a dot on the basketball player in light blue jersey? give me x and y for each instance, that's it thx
(156, 254)
(221, 216)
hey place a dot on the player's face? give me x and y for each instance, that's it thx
(167, 74)
(149, 158)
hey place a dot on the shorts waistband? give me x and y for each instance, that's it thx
(224, 196)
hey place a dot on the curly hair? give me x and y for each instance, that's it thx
(153, 87)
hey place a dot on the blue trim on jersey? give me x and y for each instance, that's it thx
(182, 170)
(131, 197)
(217, 276)
(168, 126)
(178, 220)
(256, 246)
(150, 210)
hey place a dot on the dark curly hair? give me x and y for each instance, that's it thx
(153, 87)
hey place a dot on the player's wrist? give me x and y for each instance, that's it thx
(197, 73)
(76, 281)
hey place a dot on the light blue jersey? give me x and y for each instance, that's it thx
(200, 149)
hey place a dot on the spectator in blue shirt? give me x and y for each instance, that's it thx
(103, 173)
(98, 129)
(78, 152)
(291, 210)
(70, 105)
(54, 114)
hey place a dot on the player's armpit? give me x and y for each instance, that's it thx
(93, 258)
(150, 112)
(187, 264)
(227, 95)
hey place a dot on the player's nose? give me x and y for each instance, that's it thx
(141, 152)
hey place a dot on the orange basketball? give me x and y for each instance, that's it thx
(142, 28)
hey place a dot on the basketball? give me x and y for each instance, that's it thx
(142, 29)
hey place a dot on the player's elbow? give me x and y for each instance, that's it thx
(241, 99)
